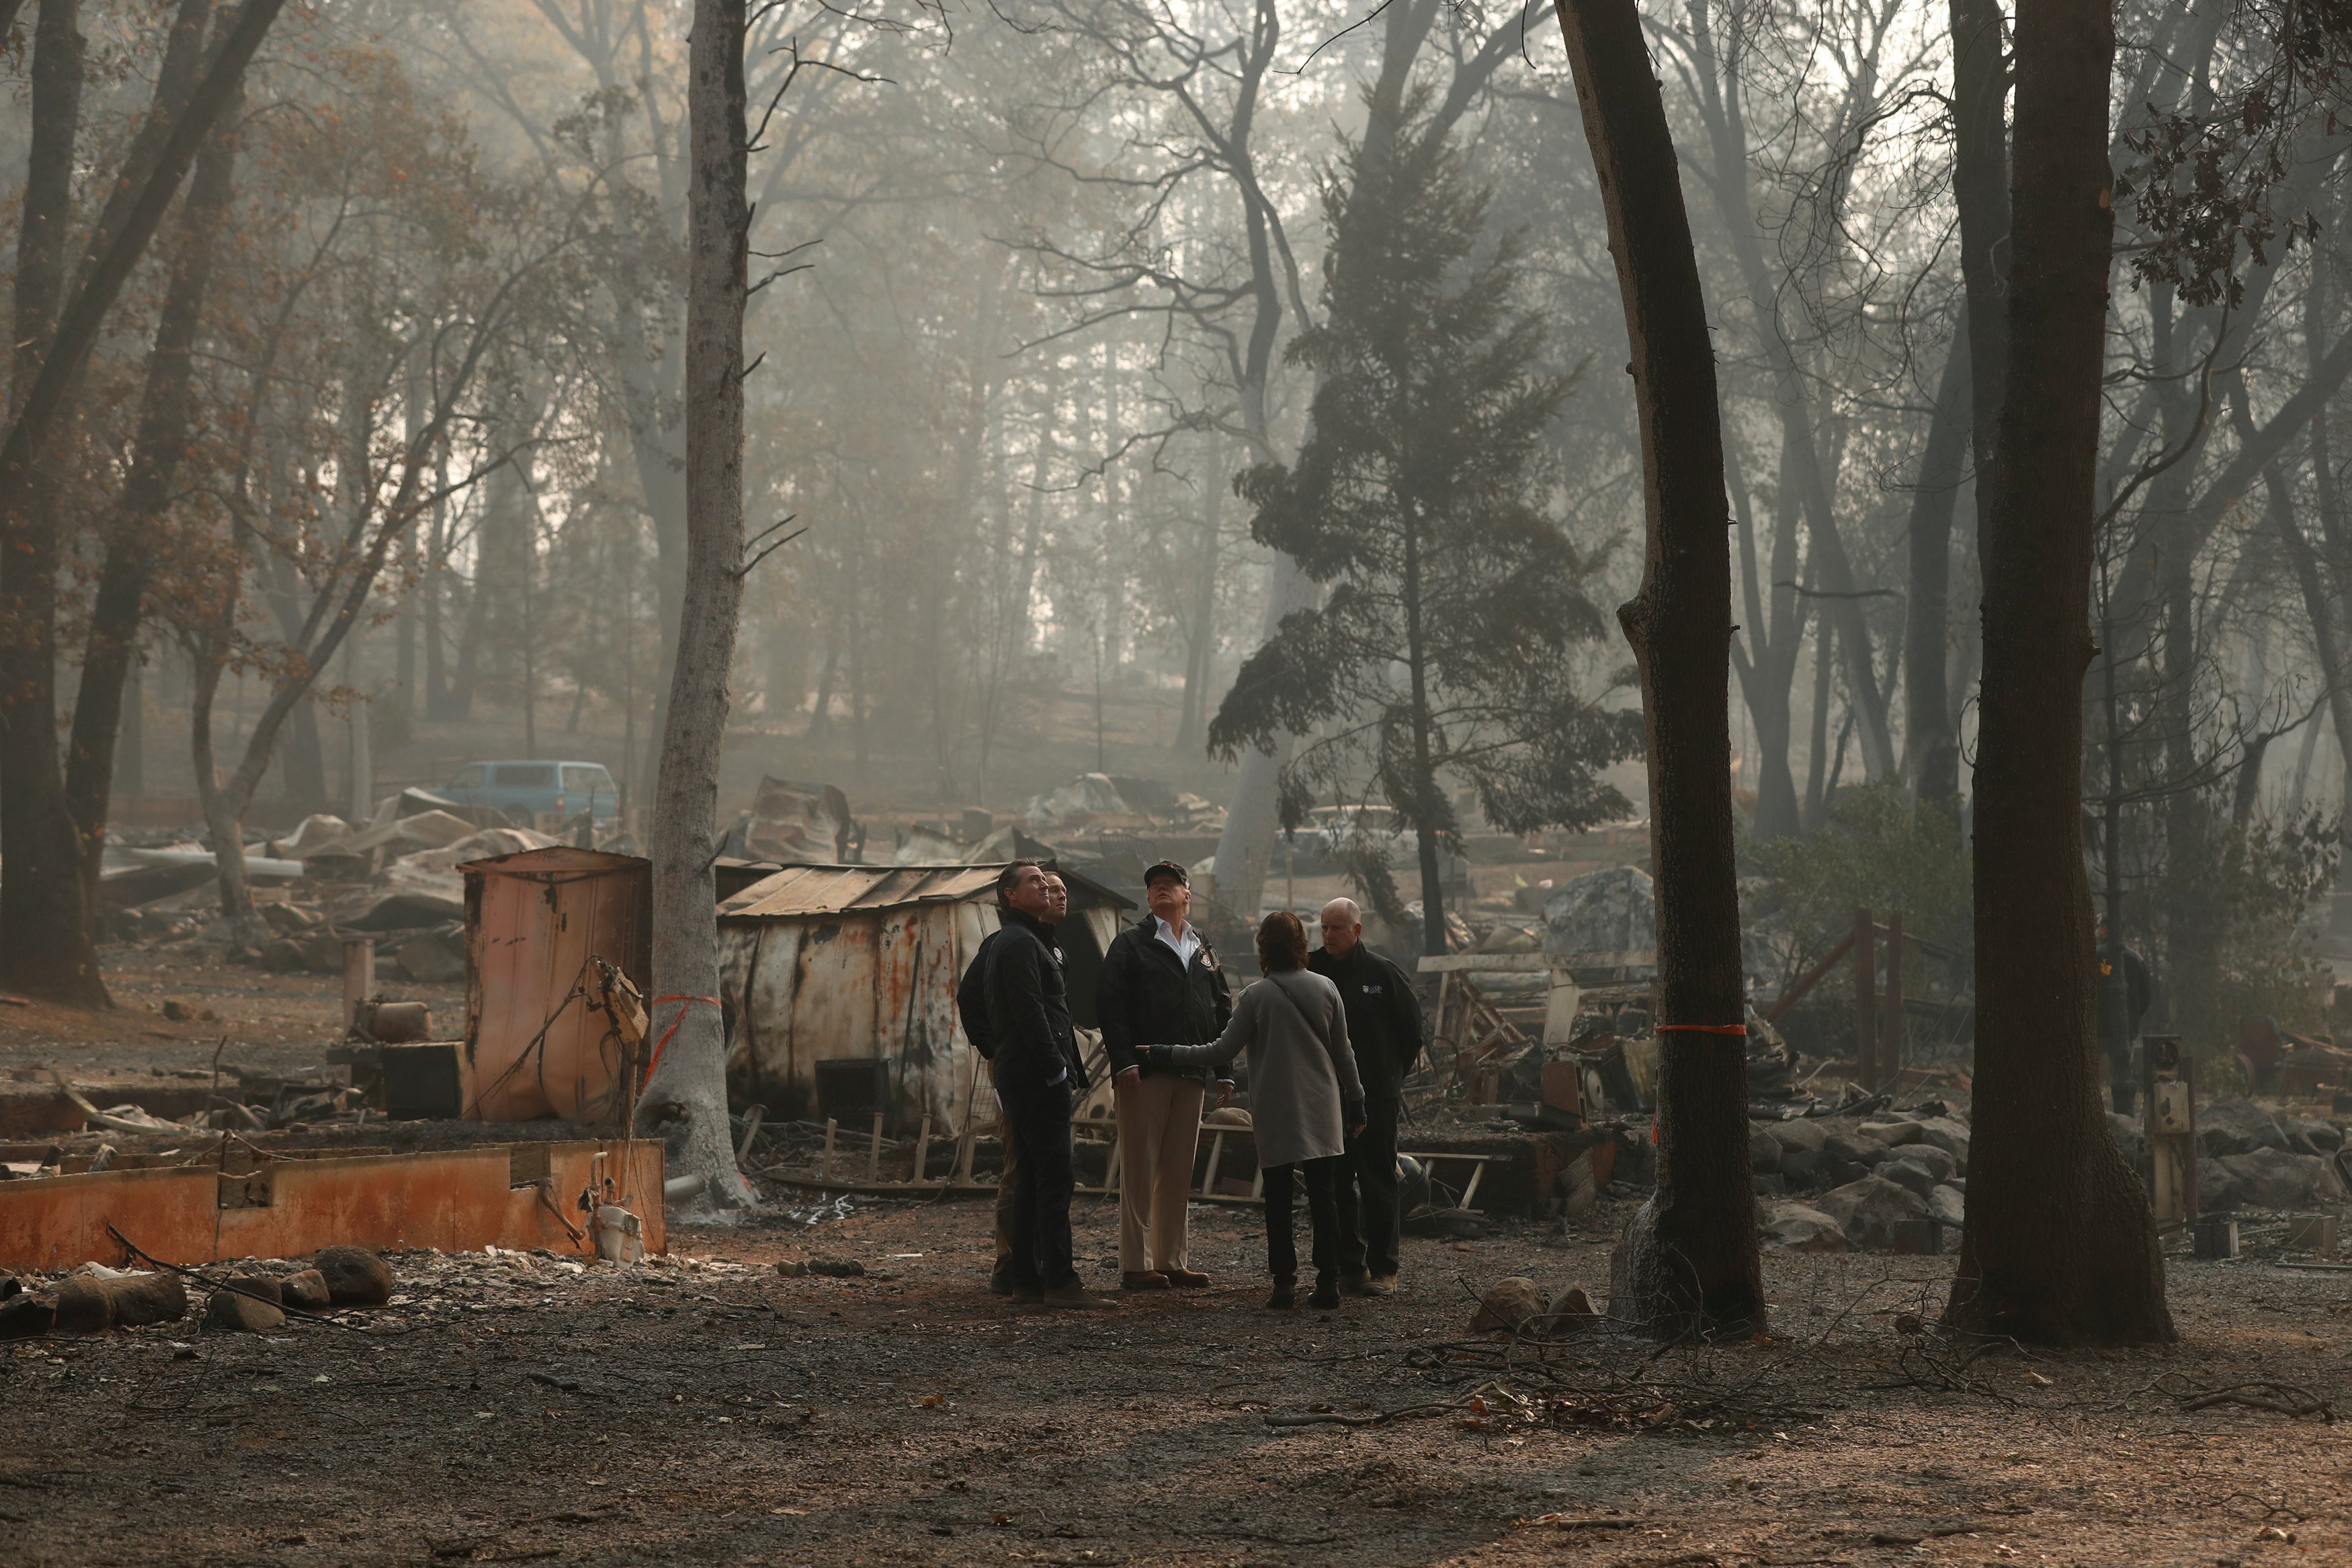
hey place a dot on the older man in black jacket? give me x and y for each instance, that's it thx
(1384, 1028)
(1160, 984)
(1039, 1073)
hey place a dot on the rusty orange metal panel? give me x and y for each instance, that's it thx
(533, 1046)
(458, 1200)
(49, 1223)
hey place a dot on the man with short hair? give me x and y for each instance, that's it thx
(1384, 1030)
(1160, 984)
(1039, 1076)
(972, 1007)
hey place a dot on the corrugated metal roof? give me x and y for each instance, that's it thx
(804, 890)
(837, 889)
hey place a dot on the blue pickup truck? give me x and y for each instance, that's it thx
(524, 789)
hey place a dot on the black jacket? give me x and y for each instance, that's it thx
(1146, 997)
(1383, 1017)
(1029, 1007)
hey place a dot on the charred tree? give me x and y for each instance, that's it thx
(45, 945)
(2061, 1247)
(1931, 737)
(689, 1083)
(166, 412)
(1687, 1262)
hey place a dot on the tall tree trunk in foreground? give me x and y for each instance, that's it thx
(2060, 1246)
(1931, 740)
(1687, 1263)
(44, 944)
(691, 1082)
(109, 656)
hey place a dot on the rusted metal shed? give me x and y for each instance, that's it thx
(535, 921)
(822, 963)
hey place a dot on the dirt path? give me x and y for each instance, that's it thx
(720, 1414)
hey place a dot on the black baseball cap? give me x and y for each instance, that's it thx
(1167, 868)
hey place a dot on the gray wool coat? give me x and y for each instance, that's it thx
(1302, 1086)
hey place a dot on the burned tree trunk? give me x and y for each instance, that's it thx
(45, 945)
(166, 410)
(1687, 1263)
(1931, 738)
(690, 1081)
(2060, 1246)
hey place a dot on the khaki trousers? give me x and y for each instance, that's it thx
(1158, 1133)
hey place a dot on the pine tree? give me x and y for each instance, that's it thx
(1419, 498)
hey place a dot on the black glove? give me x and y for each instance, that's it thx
(1162, 1057)
(1355, 1114)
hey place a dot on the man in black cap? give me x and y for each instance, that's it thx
(1161, 985)
(1384, 1030)
(1039, 1074)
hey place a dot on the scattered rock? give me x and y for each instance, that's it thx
(1917, 1177)
(1948, 1135)
(2219, 1189)
(178, 1012)
(792, 1268)
(1571, 1312)
(1866, 1210)
(1763, 1151)
(1797, 1228)
(835, 1268)
(1894, 1135)
(1948, 1203)
(2311, 1136)
(307, 1290)
(2237, 1127)
(1804, 1169)
(1854, 1150)
(228, 1312)
(1768, 1184)
(355, 1277)
(1507, 1305)
(2273, 1178)
(1798, 1134)
(1936, 1161)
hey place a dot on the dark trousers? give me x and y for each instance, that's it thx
(1368, 1191)
(1007, 1179)
(1332, 1241)
(1037, 1124)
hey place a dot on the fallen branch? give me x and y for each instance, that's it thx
(2286, 1398)
(1333, 1418)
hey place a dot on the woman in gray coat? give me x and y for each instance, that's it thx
(1304, 1098)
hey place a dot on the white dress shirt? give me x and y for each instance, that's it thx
(1184, 945)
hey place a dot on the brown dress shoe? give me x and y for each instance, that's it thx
(1185, 1279)
(1142, 1280)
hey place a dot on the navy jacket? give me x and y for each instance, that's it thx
(1383, 1017)
(1146, 997)
(1029, 1007)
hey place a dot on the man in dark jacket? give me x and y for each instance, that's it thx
(1160, 984)
(1384, 1028)
(1038, 1075)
